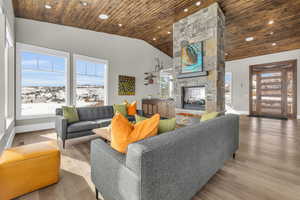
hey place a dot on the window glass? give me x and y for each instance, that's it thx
(166, 84)
(90, 83)
(43, 83)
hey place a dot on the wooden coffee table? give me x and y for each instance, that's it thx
(104, 133)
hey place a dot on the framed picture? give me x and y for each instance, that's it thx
(192, 58)
(126, 85)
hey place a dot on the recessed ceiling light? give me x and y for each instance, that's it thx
(274, 44)
(103, 16)
(226, 54)
(271, 22)
(248, 39)
(186, 10)
(271, 33)
(158, 27)
(47, 6)
(198, 3)
(154, 39)
(169, 32)
(83, 3)
(120, 25)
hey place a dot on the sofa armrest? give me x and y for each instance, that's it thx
(110, 175)
(99, 148)
(61, 125)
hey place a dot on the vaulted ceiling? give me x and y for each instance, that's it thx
(152, 20)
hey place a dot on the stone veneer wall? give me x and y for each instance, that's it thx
(206, 25)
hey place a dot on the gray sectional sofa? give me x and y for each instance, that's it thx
(90, 118)
(170, 166)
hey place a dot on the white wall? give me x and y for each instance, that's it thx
(126, 56)
(240, 76)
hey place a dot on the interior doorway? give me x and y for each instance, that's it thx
(273, 90)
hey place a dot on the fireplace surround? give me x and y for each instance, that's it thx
(206, 26)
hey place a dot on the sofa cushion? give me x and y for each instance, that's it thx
(103, 122)
(94, 113)
(82, 126)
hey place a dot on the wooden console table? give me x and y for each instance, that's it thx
(164, 107)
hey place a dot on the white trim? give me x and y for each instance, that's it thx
(243, 112)
(298, 117)
(35, 117)
(43, 50)
(94, 60)
(239, 112)
(40, 50)
(8, 33)
(34, 127)
(11, 138)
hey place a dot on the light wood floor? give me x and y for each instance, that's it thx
(267, 166)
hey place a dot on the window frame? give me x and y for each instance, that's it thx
(171, 85)
(9, 46)
(231, 87)
(74, 75)
(2, 78)
(20, 47)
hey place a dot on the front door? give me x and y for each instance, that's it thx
(273, 90)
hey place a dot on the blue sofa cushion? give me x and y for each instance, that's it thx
(82, 126)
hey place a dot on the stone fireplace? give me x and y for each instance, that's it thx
(196, 93)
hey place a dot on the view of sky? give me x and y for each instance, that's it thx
(228, 78)
(45, 70)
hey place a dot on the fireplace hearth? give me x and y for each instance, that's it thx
(193, 98)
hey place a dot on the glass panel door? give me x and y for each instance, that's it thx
(273, 90)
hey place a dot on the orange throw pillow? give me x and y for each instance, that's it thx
(145, 129)
(120, 131)
(131, 108)
(124, 133)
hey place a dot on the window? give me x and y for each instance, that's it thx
(166, 83)
(90, 81)
(228, 89)
(42, 81)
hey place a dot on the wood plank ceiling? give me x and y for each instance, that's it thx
(152, 20)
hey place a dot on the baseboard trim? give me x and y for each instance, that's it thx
(34, 127)
(239, 112)
(243, 112)
(11, 138)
